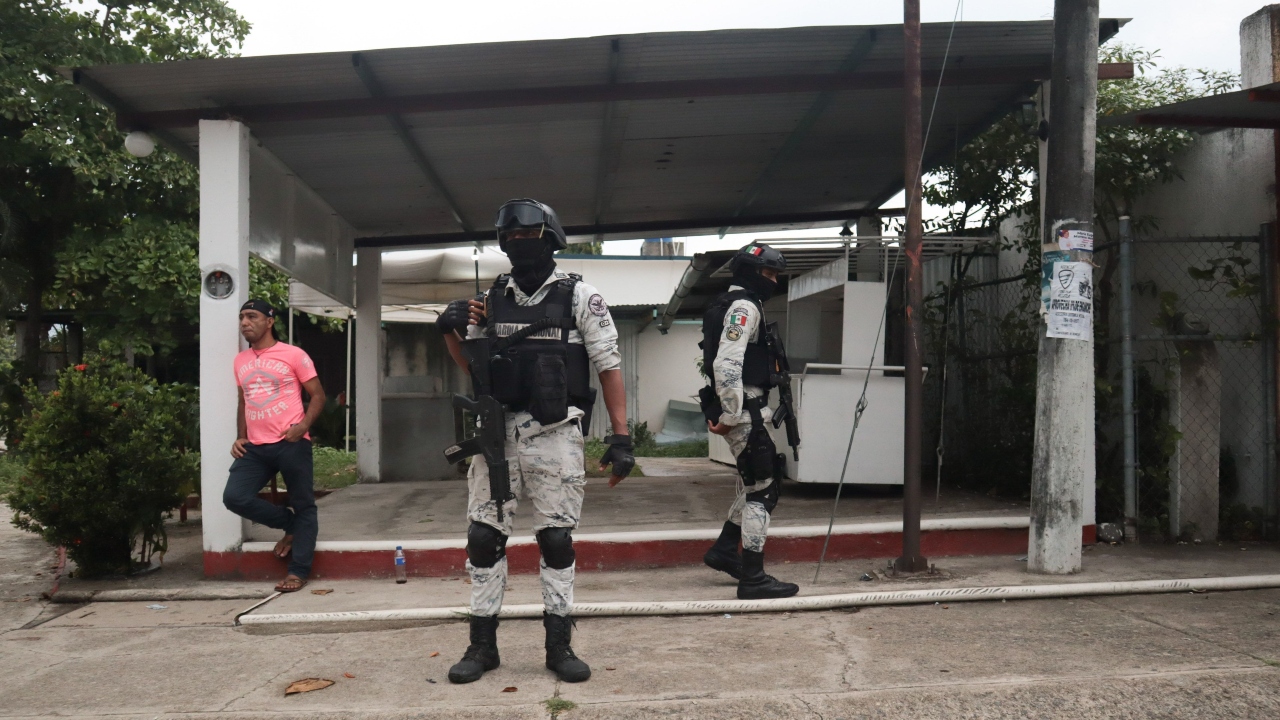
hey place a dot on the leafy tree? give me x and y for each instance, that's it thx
(996, 175)
(65, 179)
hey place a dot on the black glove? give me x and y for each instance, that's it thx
(455, 317)
(619, 454)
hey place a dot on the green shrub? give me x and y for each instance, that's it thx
(329, 429)
(107, 454)
(11, 468)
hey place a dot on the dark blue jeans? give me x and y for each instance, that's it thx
(251, 473)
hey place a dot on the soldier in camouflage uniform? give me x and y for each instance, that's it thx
(735, 351)
(543, 437)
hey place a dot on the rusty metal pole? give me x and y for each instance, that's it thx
(912, 560)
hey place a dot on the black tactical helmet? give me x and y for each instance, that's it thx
(529, 213)
(756, 256)
(747, 265)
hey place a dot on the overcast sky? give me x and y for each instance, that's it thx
(1193, 33)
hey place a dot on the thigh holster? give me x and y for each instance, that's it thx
(756, 461)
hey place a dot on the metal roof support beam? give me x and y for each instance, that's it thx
(573, 95)
(95, 90)
(1211, 121)
(636, 228)
(860, 50)
(416, 153)
(608, 147)
(576, 94)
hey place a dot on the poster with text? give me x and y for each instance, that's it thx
(1071, 301)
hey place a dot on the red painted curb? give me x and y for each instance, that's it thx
(595, 556)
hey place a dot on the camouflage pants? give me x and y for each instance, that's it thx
(545, 465)
(749, 514)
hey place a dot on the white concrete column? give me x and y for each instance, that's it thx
(368, 393)
(224, 245)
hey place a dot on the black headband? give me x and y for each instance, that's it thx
(261, 306)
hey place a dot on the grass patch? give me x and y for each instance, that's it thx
(688, 449)
(644, 445)
(11, 468)
(333, 468)
(556, 705)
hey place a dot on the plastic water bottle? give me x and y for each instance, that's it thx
(400, 570)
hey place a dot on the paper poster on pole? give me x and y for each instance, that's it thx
(1046, 276)
(1071, 301)
(1075, 240)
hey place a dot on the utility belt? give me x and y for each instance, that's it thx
(760, 459)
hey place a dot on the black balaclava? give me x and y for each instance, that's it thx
(532, 261)
(755, 283)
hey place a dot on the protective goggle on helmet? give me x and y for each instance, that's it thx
(530, 214)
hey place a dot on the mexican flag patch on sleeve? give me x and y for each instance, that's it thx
(737, 318)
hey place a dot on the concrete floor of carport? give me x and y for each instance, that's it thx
(676, 493)
(659, 501)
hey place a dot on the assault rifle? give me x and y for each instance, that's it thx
(491, 440)
(780, 377)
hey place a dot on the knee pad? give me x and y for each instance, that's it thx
(486, 545)
(556, 544)
(767, 497)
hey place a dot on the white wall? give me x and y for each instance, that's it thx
(668, 370)
(1227, 186)
(863, 308)
(294, 230)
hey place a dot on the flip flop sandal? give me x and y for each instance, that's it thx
(287, 585)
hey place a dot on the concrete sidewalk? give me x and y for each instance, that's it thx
(1182, 656)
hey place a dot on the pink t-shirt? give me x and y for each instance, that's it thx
(272, 381)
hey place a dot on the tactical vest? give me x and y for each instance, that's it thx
(755, 364)
(543, 373)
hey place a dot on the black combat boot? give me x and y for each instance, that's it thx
(560, 657)
(756, 585)
(481, 654)
(723, 555)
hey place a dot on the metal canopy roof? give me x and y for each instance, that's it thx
(628, 136)
(708, 273)
(1254, 108)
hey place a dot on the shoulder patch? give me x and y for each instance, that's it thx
(733, 332)
(739, 317)
(597, 305)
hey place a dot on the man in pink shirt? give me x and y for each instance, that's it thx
(272, 438)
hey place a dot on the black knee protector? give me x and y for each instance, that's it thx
(767, 497)
(556, 544)
(486, 545)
